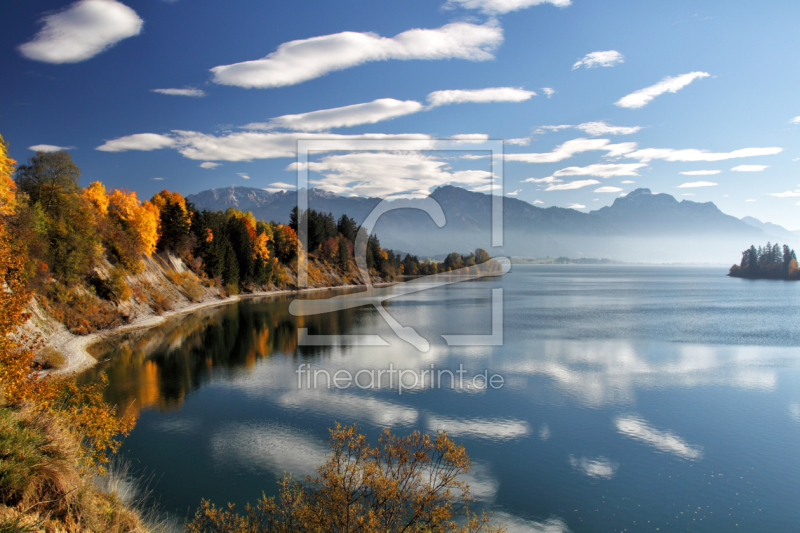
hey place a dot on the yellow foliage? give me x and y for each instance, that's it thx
(7, 186)
(143, 218)
(410, 484)
(260, 249)
(160, 200)
(96, 194)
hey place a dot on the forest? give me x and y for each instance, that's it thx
(771, 261)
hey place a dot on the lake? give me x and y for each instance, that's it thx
(634, 398)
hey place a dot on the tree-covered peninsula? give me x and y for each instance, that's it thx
(772, 261)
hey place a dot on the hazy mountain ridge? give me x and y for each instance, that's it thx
(641, 226)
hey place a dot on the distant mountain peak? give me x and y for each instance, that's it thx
(638, 192)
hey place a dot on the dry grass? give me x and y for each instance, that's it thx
(41, 487)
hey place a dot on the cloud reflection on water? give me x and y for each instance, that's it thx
(499, 429)
(665, 441)
(598, 468)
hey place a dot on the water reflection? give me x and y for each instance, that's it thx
(665, 441)
(597, 468)
(499, 429)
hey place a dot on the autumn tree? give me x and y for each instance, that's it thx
(141, 218)
(7, 186)
(48, 178)
(410, 484)
(174, 220)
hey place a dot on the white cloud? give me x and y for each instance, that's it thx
(627, 182)
(787, 194)
(468, 138)
(197, 93)
(664, 441)
(576, 206)
(688, 194)
(515, 524)
(520, 141)
(602, 171)
(700, 172)
(497, 7)
(694, 155)
(157, 179)
(572, 185)
(243, 176)
(384, 173)
(514, 193)
(751, 200)
(535, 202)
(601, 128)
(351, 115)
(750, 168)
(697, 184)
(548, 179)
(305, 59)
(499, 429)
(642, 97)
(140, 141)
(49, 148)
(491, 94)
(594, 468)
(549, 91)
(609, 58)
(209, 164)
(473, 156)
(81, 31)
(608, 189)
(246, 146)
(795, 120)
(570, 148)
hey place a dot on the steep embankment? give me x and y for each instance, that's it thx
(166, 287)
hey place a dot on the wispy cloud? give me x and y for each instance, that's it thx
(549, 91)
(751, 200)
(49, 148)
(491, 94)
(750, 168)
(599, 170)
(795, 120)
(339, 117)
(601, 128)
(243, 175)
(209, 164)
(246, 146)
(787, 194)
(139, 141)
(576, 206)
(572, 185)
(664, 441)
(499, 7)
(609, 58)
(81, 31)
(642, 97)
(536, 202)
(627, 182)
(594, 128)
(701, 172)
(694, 155)
(514, 193)
(608, 189)
(570, 148)
(694, 184)
(521, 141)
(157, 179)
(196, 93)
(305, 59)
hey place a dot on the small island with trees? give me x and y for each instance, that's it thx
(769, 262)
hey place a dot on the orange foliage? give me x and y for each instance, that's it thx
(209, 235)
(96, 194)
(143, 218)
(408, 484)
(7, 186)
(260, 250)
(160, 200)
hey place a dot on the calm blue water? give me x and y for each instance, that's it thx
(635, 398)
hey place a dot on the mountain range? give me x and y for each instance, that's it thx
(639, 227)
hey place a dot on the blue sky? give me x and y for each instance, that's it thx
(640, 94)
